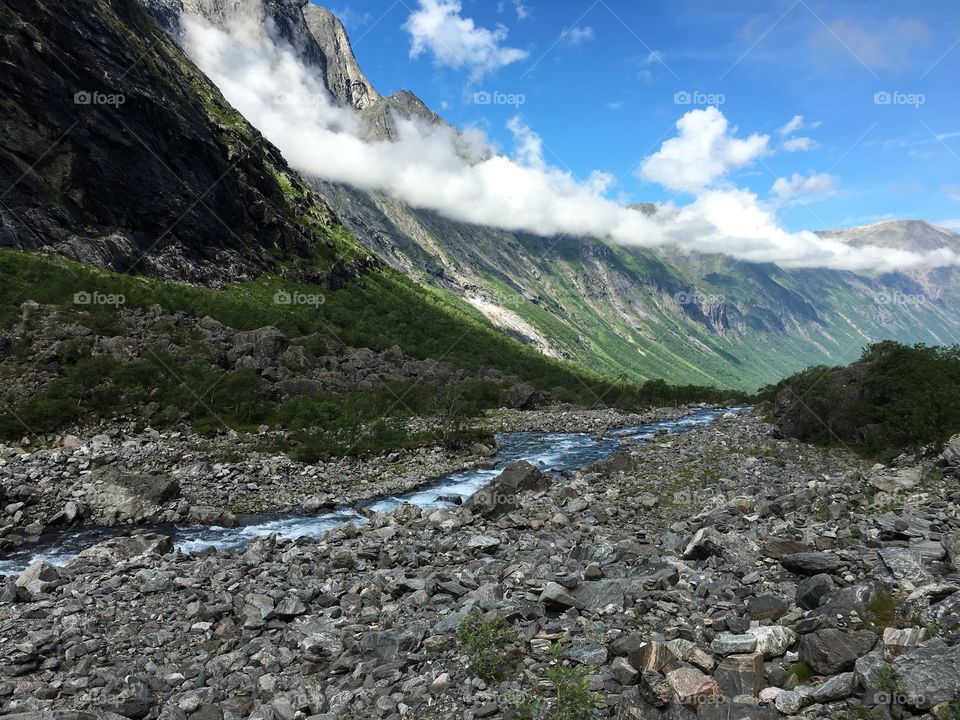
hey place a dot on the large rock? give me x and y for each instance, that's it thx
(929, 674)
(693, 688)
(810, 563)
(773, 640)
(740, 675)
(394, 644)
(836, 688)
(500, 496)
(39, 577)
(810, 590)
(708, 542)
(832, 651)
(131, 495)
(263, 346)
(904, 566)
(118, 549)
(598, 594)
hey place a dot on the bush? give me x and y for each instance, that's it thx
(893, 400)
(484, 642)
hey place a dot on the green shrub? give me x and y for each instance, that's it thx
(484, 642)
(894, 399)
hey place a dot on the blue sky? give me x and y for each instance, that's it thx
(604, 82)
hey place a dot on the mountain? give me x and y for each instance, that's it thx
(626, 310)
(898, 234)
(155, 248)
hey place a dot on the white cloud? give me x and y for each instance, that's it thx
(436, 26)
(953, 224)
(529, 145)
(800, 185)
(796, 144)
(704, 151)
(519, 6)
(952, 192)
(794, 124)
(458, 176)
(576, 35)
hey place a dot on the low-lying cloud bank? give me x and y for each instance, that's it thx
(456, 175)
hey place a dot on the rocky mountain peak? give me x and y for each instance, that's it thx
(344, 78)
(917, 235)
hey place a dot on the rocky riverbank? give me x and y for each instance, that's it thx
(720, 574)
(123, 473)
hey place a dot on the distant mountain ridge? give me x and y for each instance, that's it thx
(618, 310)
(917, 235)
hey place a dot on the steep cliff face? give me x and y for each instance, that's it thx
(117, 151)
(344, 77)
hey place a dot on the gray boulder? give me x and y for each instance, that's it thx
(832, 651)
(39, 577)
(810, 563)
(119, 549)
(500, 496)
(810, 590)
(929, 674)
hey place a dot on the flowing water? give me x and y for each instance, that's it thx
(556, 452)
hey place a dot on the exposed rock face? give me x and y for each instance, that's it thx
(122, 163)
(344, 78)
